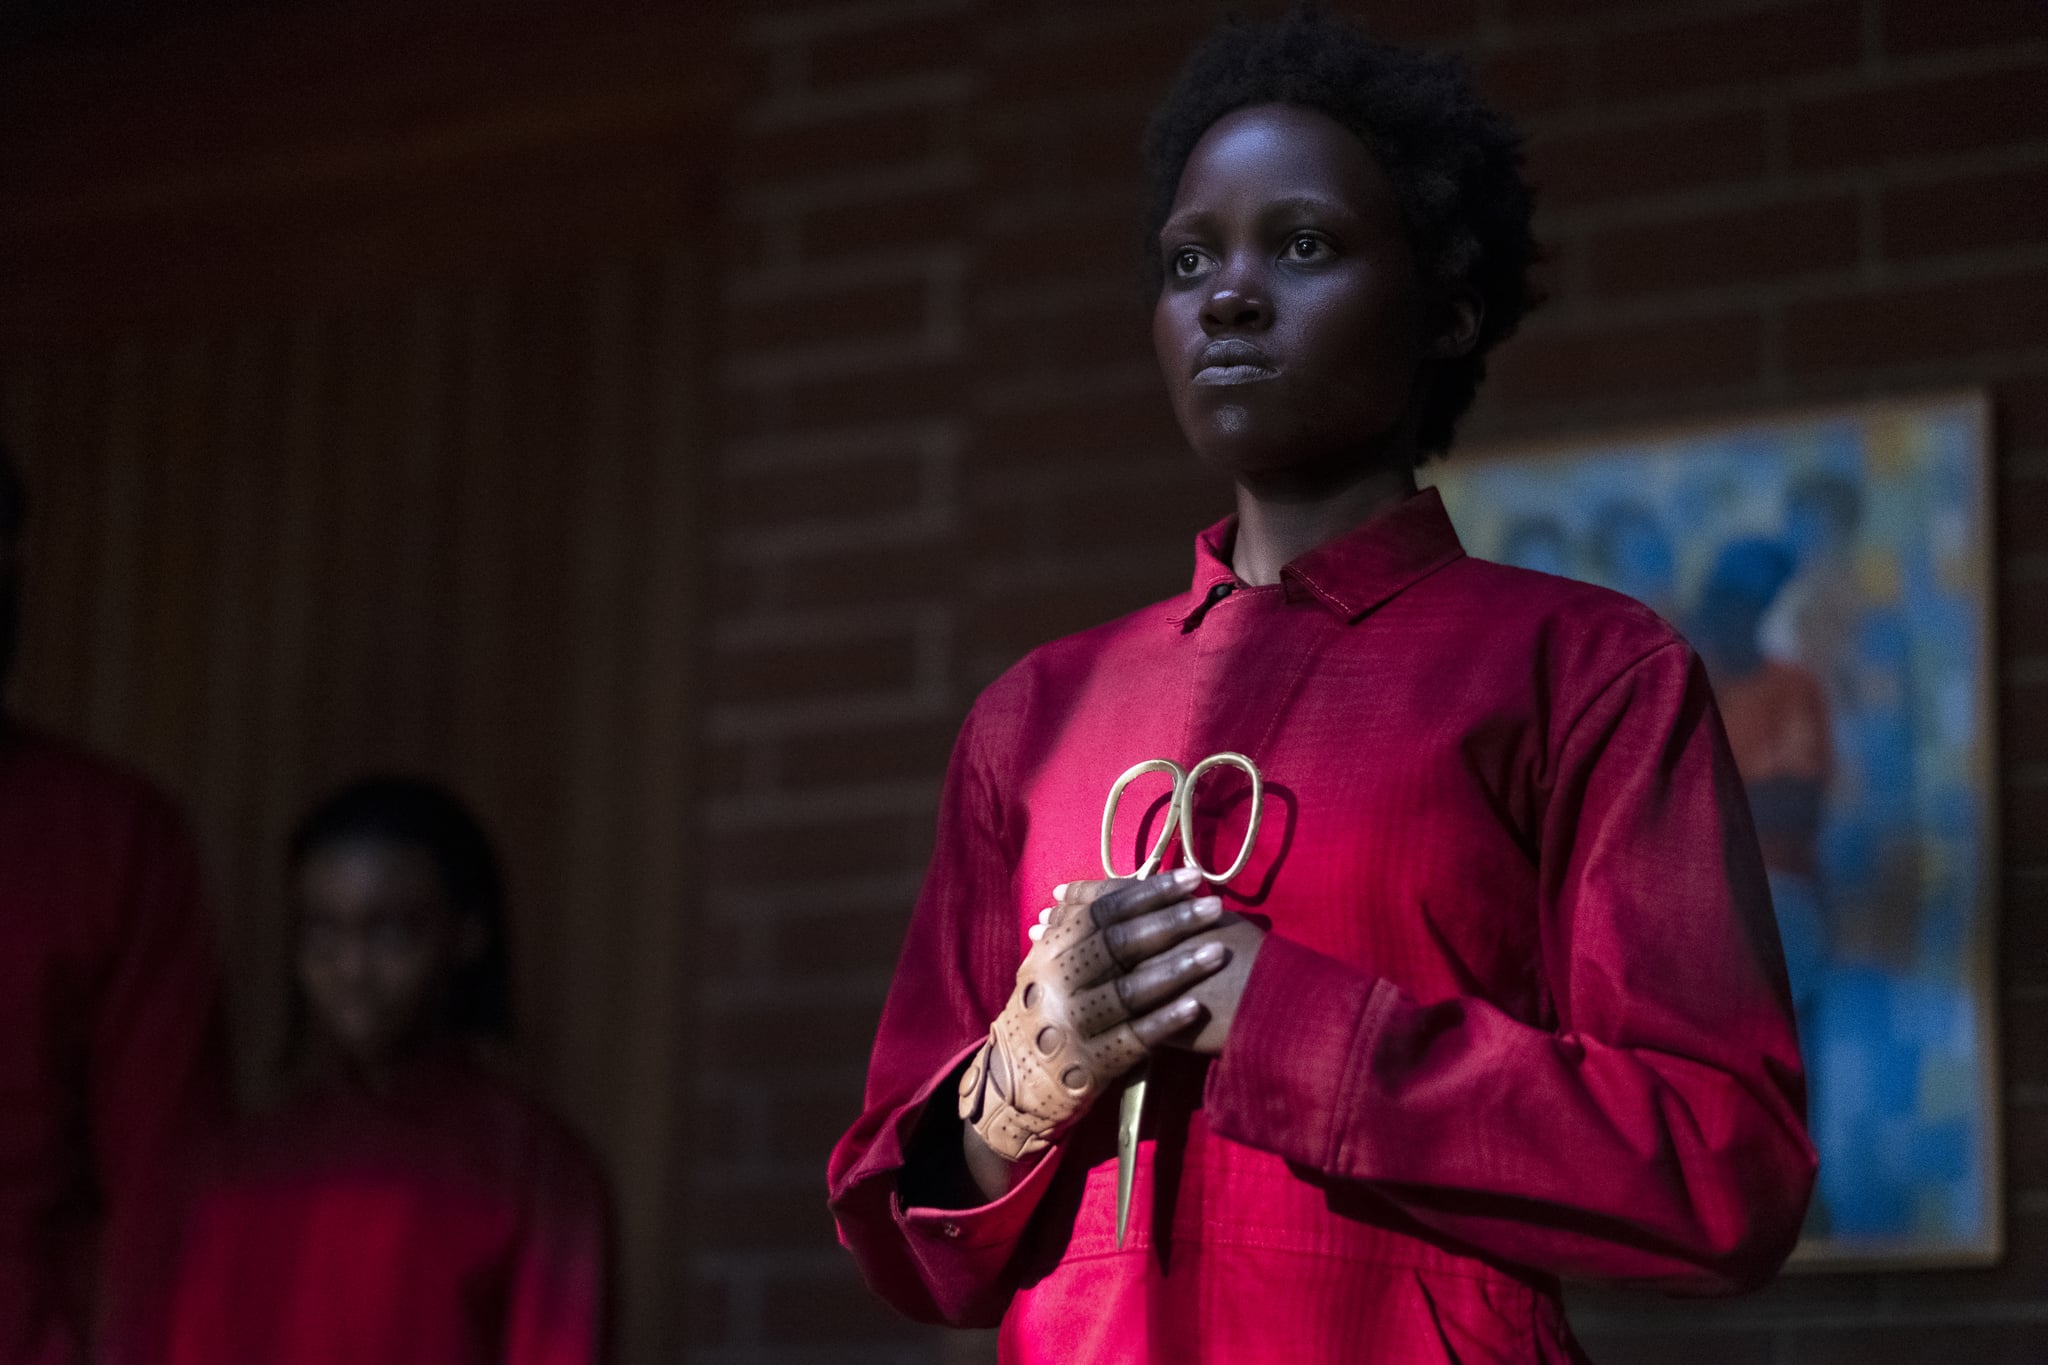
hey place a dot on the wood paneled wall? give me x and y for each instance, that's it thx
(360, 436)
(454, 534)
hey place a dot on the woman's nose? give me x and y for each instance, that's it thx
(1237, 303)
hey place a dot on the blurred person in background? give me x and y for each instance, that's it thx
(409, 1203)
(1497, 998)
(1537, 542)
(1778, 728)
(1828, 623)
(1628, 550)
(1815, 618)
(111, 1047)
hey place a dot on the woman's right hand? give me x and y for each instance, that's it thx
(1105, 983)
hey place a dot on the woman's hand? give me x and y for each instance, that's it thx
(1218, 993)
(1106, 982)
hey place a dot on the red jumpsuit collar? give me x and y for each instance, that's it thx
(1350, 575)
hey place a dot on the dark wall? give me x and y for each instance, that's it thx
(354, 358)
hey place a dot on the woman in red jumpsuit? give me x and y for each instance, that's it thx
(1498, 998)
(411, 1203)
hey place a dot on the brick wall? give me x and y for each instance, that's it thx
(836, 623)
(945, 442)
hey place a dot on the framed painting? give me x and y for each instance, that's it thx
(1833, 568)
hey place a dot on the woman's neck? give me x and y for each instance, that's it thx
(387, 1069)
(1282, 517)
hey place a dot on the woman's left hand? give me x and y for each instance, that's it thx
(1218, 994)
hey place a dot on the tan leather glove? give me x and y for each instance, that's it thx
(1062, 1037)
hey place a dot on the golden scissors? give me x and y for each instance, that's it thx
(1180, 815)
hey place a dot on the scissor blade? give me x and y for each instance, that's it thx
(1128, 1117)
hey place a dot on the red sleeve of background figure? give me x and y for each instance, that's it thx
(158, 1072)
(559, 1295)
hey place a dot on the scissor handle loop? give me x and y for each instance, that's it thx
(1173, 815)
(1186, 800)
(1180, 813)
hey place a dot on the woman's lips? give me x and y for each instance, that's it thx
(1232, 360)
(1222, 375)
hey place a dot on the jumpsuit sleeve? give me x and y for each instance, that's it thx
(557, 1314)
(1655, 1131)
(957, 968)
(158, 1074)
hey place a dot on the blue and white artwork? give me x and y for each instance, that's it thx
(1831, 568)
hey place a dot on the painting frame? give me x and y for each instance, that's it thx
(1479, 485)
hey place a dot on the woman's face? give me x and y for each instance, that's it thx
(1290, 324)
(377, 941)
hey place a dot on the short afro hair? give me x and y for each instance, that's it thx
(1455, 165)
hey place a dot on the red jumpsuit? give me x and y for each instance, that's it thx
(1522, 1013)
(110, 1045)
(450, 1220)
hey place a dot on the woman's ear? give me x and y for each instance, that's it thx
(1458, 332)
